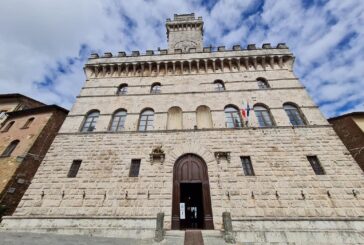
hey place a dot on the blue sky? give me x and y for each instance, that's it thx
(44, 44)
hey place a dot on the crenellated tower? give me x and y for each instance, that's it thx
(185, 32)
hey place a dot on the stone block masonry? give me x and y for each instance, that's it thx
(278, 157)
(284, 201)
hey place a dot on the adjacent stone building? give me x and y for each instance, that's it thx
(28, 129)
(194, 132)
(350, 128)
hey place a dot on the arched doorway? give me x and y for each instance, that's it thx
(191, 194)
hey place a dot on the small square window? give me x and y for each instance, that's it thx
(134, 168)
(316, 165)
(11, 190)
(247, 166)
(74, 168)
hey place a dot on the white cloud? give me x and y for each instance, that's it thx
(37, 36)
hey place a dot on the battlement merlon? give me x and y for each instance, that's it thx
(208, 52)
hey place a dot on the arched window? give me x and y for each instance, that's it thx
(10, 148)
(146, 120)
(118, 121)
(156, 88)
(8, 126)
(219, 85)
(203, 117)
(123, 89)
(262, 83)
(295, 116)
(27, 124)
(263, 115)
(174, 120)
(233, 118)
(90, 121)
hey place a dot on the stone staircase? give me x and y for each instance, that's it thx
(176, 237)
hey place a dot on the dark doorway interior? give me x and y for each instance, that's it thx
(191, 196)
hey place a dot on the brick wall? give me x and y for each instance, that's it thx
(19, 172)
(352, 136)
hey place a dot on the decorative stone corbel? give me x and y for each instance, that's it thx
(222, 155)
(157, 154)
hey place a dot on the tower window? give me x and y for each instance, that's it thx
(74, 168)
(232, 116)
(11, 147)
(247, 166)
(316, 165)
(262, 83)
(156, 88)
(134, 168)
(294, 115)
(219, 85)
(90, 121)
(263, 116)
(146, 120)
(118, 121)
(123, 89)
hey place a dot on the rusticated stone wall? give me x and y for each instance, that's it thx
(278, 156)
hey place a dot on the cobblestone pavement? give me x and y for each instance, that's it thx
(17, 238)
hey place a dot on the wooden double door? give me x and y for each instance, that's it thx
(191, 202)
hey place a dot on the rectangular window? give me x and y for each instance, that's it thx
(74, 168)
(134, 168)
(247, 166)
(316, 165)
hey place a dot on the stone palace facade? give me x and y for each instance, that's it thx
(169, 132)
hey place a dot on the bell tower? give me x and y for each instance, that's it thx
(184, 32)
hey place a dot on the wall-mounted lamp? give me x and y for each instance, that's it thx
(329, 194)
(253, 197)
(277, 195)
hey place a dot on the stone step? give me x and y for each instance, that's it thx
(193, 237)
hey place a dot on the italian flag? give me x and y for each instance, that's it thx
(243, 111)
